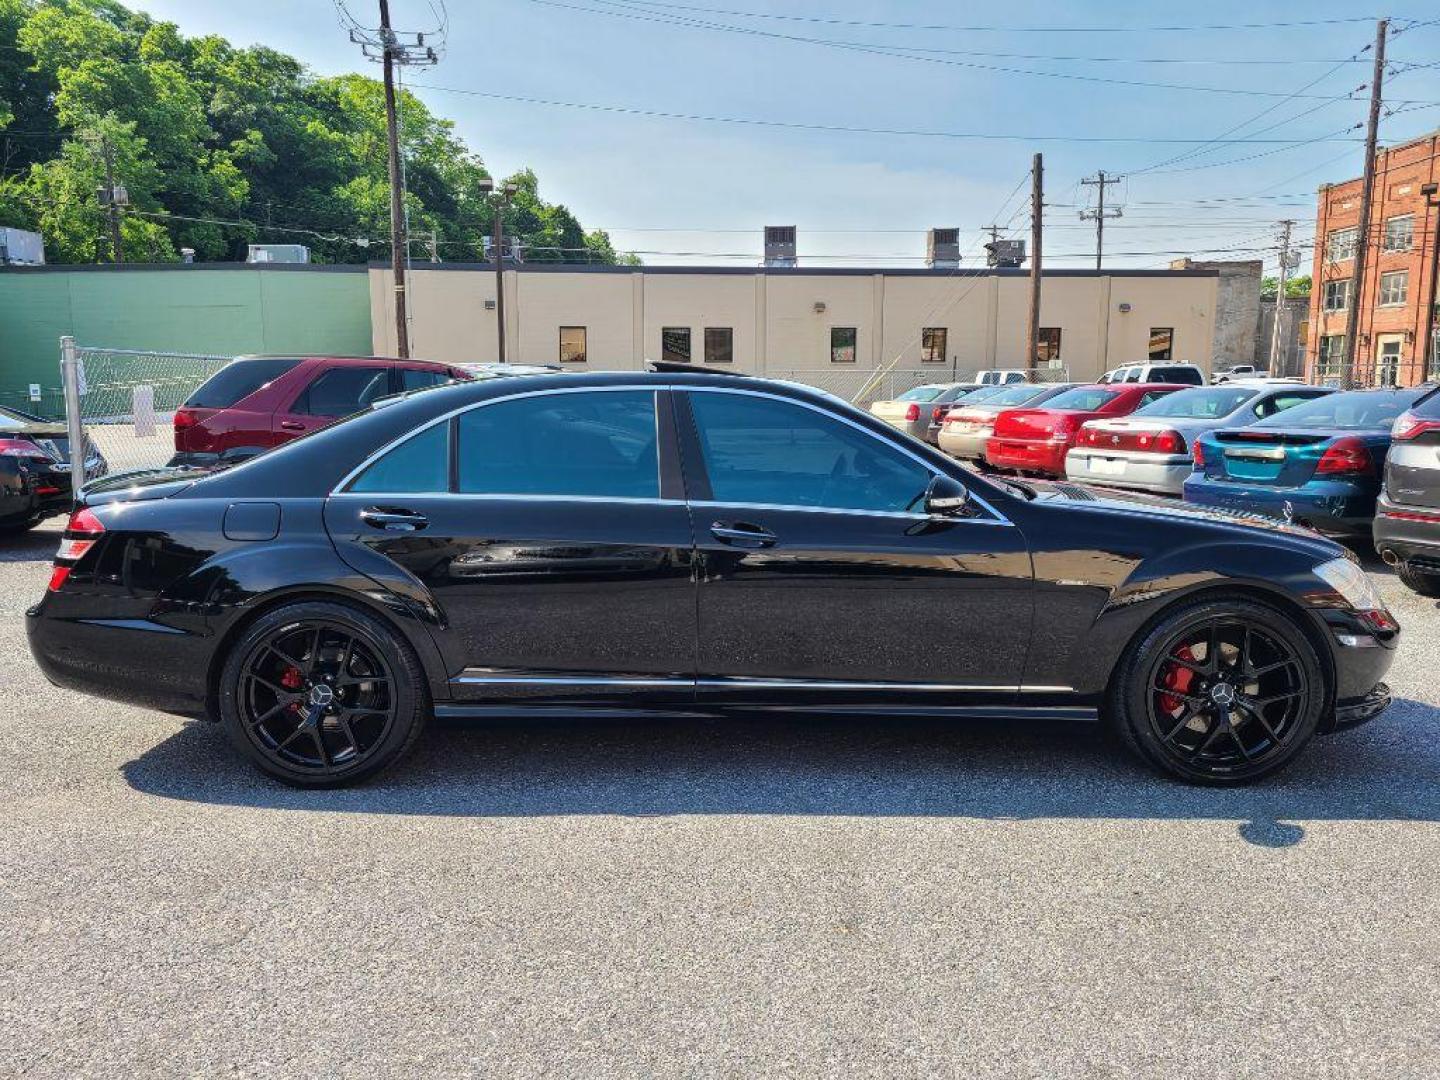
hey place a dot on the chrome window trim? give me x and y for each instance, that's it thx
(486, 496)
(343, 487)
(999, 518)
(473, 676)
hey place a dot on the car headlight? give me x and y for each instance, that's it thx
(1352, 583)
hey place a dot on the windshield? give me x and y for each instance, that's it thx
(920, 393)
(1355, 410)
(1199, 404)
(1082, 399)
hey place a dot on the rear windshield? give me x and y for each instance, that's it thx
(1083, 399)
(237, 380)
(985, 393)
(1356, 410)
(1198, 404)
(1015, 395)
(954, 393)
(920, 393)
(1429, 406)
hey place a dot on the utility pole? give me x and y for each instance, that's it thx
(1037, 210)
(500, 201)
(1432, 291)
(387, 47)
(112, 198)
(1099, 214)
(1362, 234)
(1276, 331)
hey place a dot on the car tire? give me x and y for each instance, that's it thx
(319, 694)
(1167, 704)
(1418, 581)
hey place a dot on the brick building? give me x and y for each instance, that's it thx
(1398, 277)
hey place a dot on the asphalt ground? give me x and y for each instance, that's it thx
(745, 898)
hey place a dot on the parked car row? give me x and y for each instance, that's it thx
(35, 469)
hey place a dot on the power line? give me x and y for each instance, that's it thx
(1111, 29)
(897, 52)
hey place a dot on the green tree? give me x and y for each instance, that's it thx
(1294, 287)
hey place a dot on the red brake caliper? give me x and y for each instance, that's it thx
(1179, 678)
(292, 680)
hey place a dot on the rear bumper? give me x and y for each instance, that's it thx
(1411, 540)
(1333, 508)
(1165, 474)
(1356, 711)
(133, 661)
(1027, 455)
(968, 445)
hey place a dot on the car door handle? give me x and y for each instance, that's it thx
(393, 520)
(743, 534)
(292, 425)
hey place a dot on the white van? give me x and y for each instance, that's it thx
(1002, 376)
(1188, 374)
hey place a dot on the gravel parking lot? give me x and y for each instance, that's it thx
(849, 898)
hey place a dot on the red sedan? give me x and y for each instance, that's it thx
(1037, 440)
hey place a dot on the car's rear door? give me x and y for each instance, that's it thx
(550, 532)
(336, 389)
(822, 580)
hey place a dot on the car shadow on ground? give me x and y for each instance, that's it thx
(788, 765)
(37, 545)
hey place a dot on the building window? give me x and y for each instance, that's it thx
(932, 344)
(1162, 344)
(842, 344)
(1394, 287)
(719, 345)
(675, 344)
(1340, 244)
(1400, 233)
(1047, 346)
(1332, 346)
(1387, 363)
(1337, 294)
(572, 344)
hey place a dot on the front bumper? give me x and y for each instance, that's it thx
(1162, 473)
(1332, 508)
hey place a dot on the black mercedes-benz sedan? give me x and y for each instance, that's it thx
(665, 542)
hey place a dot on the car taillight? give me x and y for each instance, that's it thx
(1199, 455)
(81, 532)
(1163, 442)
(1063, 428)
(1408, 426)
(1345, 457)
(184, 418)
(913, 412)
(937, 413)
(23, 448)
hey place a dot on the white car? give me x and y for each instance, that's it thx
(1002, 376)
(1155, 373)
(1152, 449)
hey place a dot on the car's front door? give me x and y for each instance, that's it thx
(557, 555)
(822, 579)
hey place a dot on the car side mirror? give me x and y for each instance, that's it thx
(946, 497)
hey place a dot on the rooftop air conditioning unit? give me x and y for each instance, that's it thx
(277, 253)
(1005, 253)
(780, 245)
(942, 249)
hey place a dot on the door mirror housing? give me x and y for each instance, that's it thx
(946, 497)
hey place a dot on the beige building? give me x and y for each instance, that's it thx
(830, 327)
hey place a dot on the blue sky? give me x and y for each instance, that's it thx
(695, 191)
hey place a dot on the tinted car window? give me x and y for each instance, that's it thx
(411, 379)
(1082, 399)
(920, 393)
(1176, 375)
(342, 391)
(761, 451)
(599, 444)
(420, 464)
(1281, 402)
(237, 380)
(1358, 410)
(1429, 406)
(1198, 404)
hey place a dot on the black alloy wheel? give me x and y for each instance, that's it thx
(321, 694)
(1422, 582)
(1220, 692)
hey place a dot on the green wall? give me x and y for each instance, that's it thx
(223, 309)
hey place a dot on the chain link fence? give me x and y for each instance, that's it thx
(866, 385)
(125, 400)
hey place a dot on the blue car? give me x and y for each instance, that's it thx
(1319, 464)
